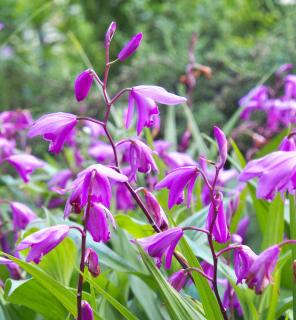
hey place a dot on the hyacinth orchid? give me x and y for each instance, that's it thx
(92, 262)
(130, 47)
(222, 146)
(43, 241)
(178, 279)
(243, 259)
(83, 84)
(276, 172)
(92, 182)
(22, 215)
(109, 34)
(86, 311)
(145, 98)
(25, 164)
(55, 127)
(176, 181)
(97, 222)
(162, 245)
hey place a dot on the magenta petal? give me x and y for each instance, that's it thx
(130, 47)
(22, 215)
(222, 146)
(110, 33)
(92, 262)
(83, 84)
(86, 311)
(130, 110)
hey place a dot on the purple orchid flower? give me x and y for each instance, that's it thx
(222, 146)
(162, 245)
(288, 144)
(83, 84)
(284, 68)
(276, 172)
(139, 155)
(102, 152)
(220, 230)
(55, 127)
(124, 200)
(109, 34)
(43, 241)
(92, 182)
(290, 86)
(156, 211)
(243, 259)
(97, 223)
(145, 98)
(92, 262)
(13, 268)
(230, 300)
(260, 272)
(14, 121)
(59, 181)
(22, 215)
(130, 47)
(86, 311)
(25, 164)
(7, 148)
(176, 181)
(178, 279)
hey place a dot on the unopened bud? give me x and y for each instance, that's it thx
(86, 311)
(92, 262)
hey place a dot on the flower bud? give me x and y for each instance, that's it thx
(178, 279)
(83, 84)
(92, 262)
(130, 47)
(110, 33)
(86, 311)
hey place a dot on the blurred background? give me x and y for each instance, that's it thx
(45, 44)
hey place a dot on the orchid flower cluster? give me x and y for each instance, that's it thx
(119, 168)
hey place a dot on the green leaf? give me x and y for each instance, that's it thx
(177, 306)
(134, 227)
(29, 293)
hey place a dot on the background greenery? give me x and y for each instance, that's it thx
(44, 45)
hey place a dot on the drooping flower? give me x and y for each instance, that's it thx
(178, 279)
(97, 222)
(110, 33)
(92, 262)
(12, 122)
(243, 258)
(124, 200)
(276, 172)
(55, 127)
(25, 164)
(130, 47)
(139, 156)
(59, 181)
(13, 268)
(145, 98)
(216, 212)
(230, 300)
(83, 84)
(86, 311)
(92, 182)
(22, 215)
(156, 211)
(222, 146)
(43, 241)
(176, 181)
(162, 245)
(260, 272)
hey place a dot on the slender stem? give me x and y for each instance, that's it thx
(91, 120)
(119, 94)
(196, 229)
(227, 249)
(287, 242)
(200, 272)
(293, 236)
(83, 251)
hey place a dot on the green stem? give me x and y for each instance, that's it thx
(293, 236)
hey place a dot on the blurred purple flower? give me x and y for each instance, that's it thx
(22, 215)
(242, 226)
(102, 152)
(83, 84)
(97, 223)
(124, 200)
(284, 68)
(288, 144)
(92, 262)
(242, 260)
(55, 127)
(12, 122)
(110, 33)
(86, 311)
(220, 230)
(43, 241)
(178, 279)
(130, 47)
(162, 245)
(145, 98)
(230, 300)
(92, 182)
(176, 181)
(7, 148)
(25, 164)
(290, 86)
(276, 172)
(59, 181)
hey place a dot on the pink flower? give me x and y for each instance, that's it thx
(130, 47)
(110, 33)
(55, 127)
(243, 258)
(22, 215)
(176, 181)
(25, 164)
(97, 223)
(145, 98)
(83, 84)
(276, 172)
(162, 245)
(102, 152)
(43, 241)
